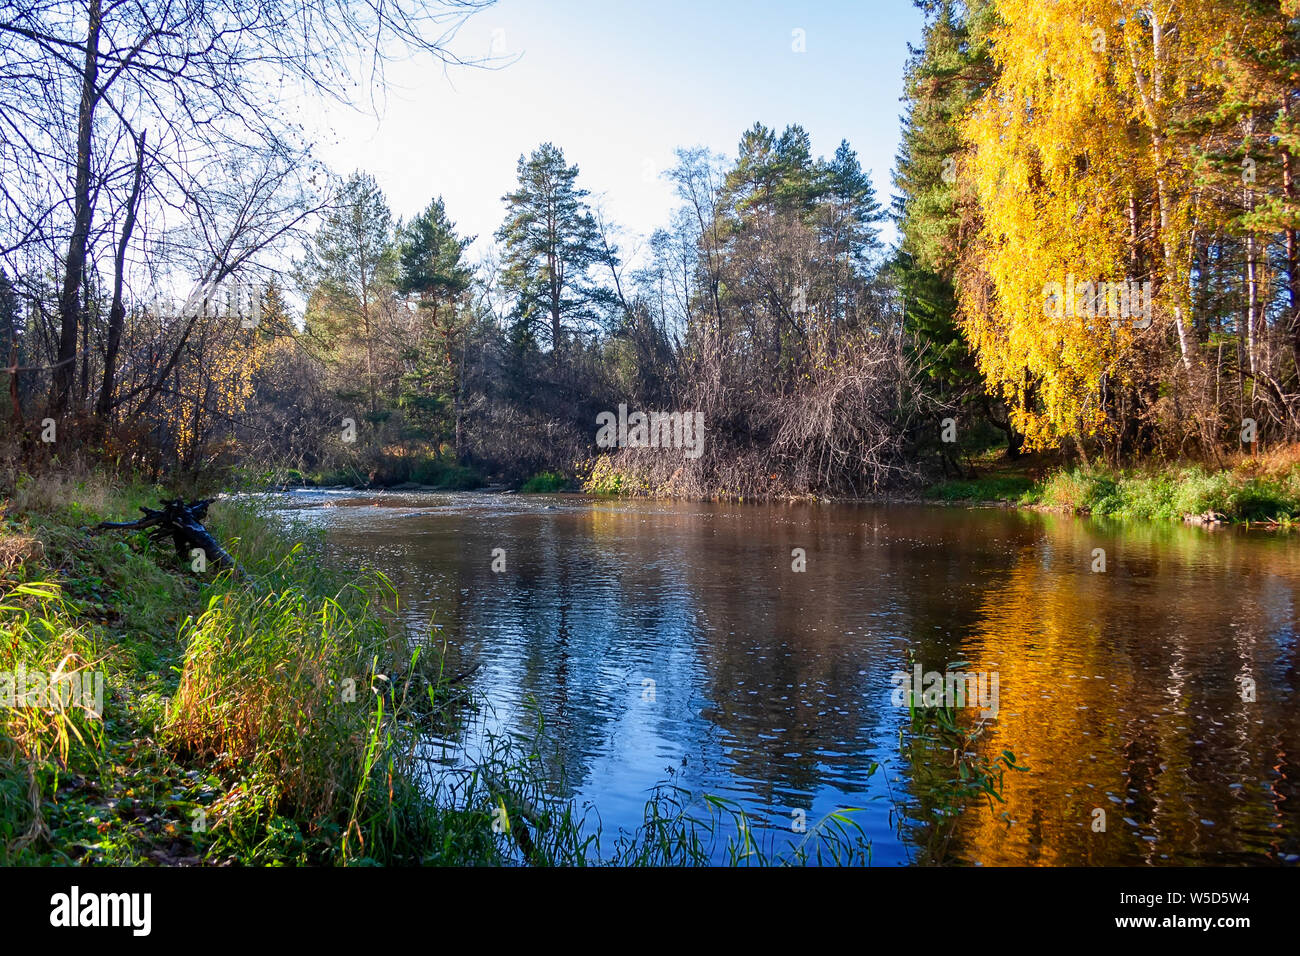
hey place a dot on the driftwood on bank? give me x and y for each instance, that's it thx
(184, 525)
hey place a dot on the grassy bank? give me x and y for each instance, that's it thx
(1256, 490)
(258, 719)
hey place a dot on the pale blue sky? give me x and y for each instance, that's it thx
(618, 85)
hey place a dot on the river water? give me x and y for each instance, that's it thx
(666, 642)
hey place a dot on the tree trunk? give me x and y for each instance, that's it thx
(117, 314)
(70, 307)
(1292, 253)
(1152, 96)
(1252, 286)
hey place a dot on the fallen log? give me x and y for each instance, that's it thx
(183, 524)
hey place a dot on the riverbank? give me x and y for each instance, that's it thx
(274, 718)
(1258, 491)
(262, 719)
(430, 472)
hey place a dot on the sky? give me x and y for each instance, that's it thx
(618, 85)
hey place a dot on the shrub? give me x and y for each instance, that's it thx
(1079, 489)
(995, 488)
(544, 483)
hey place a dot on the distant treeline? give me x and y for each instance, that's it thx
(1097, 214)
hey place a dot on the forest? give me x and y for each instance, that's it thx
(177, 313)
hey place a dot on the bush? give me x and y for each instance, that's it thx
(606, 478)
(545, 483)
(1078, 489)
(280, 682)
(1171, 494)
(997, 488)
(440, 473)
(1198, 492)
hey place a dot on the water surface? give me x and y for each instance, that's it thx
(1125, 689)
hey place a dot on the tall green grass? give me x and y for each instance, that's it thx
(993, 488)
(1170, 494)
(1248, 492)
(544, 483)
(509, 786)
(41, 737)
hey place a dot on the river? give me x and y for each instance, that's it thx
(1147, 671)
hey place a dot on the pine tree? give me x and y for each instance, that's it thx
(349, 276)
(431, 259)
(774, 174)
(9, 343)
(274, 318)
(852, 213)
(551, 243)
(8, 316)
(432, 267)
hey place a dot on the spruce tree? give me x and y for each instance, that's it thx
(349, 275)
(945, 74)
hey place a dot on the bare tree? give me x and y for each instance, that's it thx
(204, 80)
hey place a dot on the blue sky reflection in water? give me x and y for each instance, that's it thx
(1119, 690)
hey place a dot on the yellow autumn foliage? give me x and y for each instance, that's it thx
(1081, 178)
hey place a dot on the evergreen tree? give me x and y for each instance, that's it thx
(946, 74)
(432, 267)
(774, 174)
(8, 317)
(431, 259)
(274, 318)
(349, 275)
(551, 243)
(852, 213)
(753, 182)
(9, 341)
